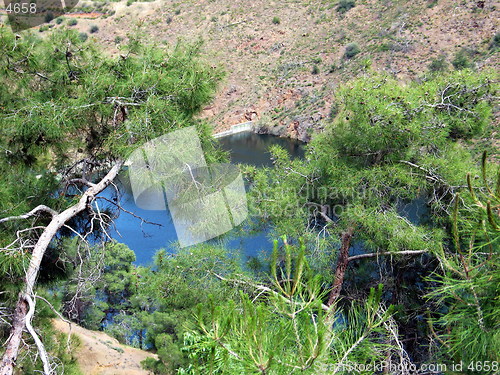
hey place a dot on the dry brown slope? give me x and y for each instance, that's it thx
(100, 354)
(269, 65)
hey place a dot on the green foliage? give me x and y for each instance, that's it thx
(315, 70)
(59, 20)
(276, 20)
(83, 36)
(431, 3)
(495, 42)
(345, 5)
(93, 29)
(390, 146)
(283, 329)
(461, 60)
(389, 121)
(376, 229)
(438, 64)
(151, 307)
(466, 293)
(48, 17)
(351, 50)
(59, 95)
(75, 97)
(72, 22)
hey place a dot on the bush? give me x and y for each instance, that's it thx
(59, 20)
(345, 5)
(168, 20)
(118, 39)
(432, 3)
(315, 69)
(43, 28)
(130, 2)
(495, 43)
(438, 64)
(351, 50)
(461, 61)
(48, 17)
(72, 22)
(83, 36)
(94, 29)
(177, 12)
(276, 20)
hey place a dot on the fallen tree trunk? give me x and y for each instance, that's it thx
(58, 220)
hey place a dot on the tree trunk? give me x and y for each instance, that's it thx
(342, 262)
(19, 320)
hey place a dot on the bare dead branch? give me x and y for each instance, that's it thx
(39, 344)
(129, 212)
(58, 221)
(395, 253)
(33, 212)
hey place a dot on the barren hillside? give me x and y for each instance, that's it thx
(101, 354)
(284, 58)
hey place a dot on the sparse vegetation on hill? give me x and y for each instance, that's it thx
(401, 40)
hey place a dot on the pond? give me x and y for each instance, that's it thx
(146, 239)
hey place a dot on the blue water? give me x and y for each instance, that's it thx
(146, 239)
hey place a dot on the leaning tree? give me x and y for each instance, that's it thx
(70, 114)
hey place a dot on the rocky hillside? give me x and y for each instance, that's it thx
(284, 58)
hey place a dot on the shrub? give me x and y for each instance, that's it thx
(495, 43)
(43, 28)
(432, 3)
(72, 22)
(177, 12)
(94, 29)
(317, 60)
(461, 61)
(83, 36)
(130, 2)
(276, 20)
(315, 69)
(49, 17)
(59, 20)
(438, 64)
(118, 39)
(345, 5)
(168, 20)
(351, 50)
